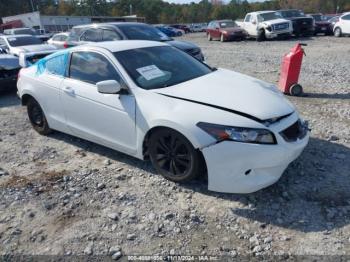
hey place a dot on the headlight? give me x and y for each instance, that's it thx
(238, 134)
(224, 32)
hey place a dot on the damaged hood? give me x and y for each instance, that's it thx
(231, 91)
(32, 48)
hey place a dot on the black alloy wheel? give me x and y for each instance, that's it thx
(173, 156)
(37, 117)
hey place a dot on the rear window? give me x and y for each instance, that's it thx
(23, 41)
(143, 32)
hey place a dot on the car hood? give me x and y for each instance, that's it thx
(182, 45)
(232, 91)
(276, 21)
(32, 48)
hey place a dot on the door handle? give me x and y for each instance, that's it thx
(69, 90)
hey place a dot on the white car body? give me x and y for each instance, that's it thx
(343, 24)
(16, 50)
(58, 40)
(76, 108)
(273, 28)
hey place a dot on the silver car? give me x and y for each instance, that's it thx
(59, 40)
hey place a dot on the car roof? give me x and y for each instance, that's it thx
(265, 12)
(116, 46)
(109, 24)
(11, 36)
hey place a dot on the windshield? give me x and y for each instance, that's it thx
(318, 18)
(9, 63)
(269, 16)
(23, 41)
(292, 13)
(227, 24)
(143, 32)
(24, 31)
(160, 66)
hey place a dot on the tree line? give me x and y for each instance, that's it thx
(158, 11)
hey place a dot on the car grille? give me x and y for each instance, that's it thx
(4, 74)
(304, 22)
(296, 131)
(282, 26)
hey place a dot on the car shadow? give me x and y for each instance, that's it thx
(9, 98)
(327, 96)
(313, 194)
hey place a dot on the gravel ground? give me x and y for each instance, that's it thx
(60, 195)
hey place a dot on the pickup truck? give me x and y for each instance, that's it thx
(266, 25)
(302, 25)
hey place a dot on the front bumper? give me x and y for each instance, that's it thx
(245, 168)
(277, 34)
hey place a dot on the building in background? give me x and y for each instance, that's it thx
(59, 23)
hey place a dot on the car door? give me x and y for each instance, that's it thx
(346, 24)
(216, 30)
(107, 119)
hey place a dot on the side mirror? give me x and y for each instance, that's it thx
(109, 87)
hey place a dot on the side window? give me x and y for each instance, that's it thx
(57, 65)
(110, 35)
(91, 35)
(211, 25)
(347, 17)
(91, 67)
(247, 18)
(56, 38)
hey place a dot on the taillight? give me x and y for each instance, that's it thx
(65, 45)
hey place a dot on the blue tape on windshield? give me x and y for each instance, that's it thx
(55, 64)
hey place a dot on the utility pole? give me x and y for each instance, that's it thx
(32, 5)
(130, 8)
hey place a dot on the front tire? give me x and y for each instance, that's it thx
(261, 36)
(173, 156)
(37, 117)
(337, 32)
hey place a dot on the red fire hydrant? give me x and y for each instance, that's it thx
(290, 71)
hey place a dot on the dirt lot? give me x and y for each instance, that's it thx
(60, 195)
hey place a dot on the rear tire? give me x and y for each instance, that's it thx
(337, 32)
(209, 37)
(37, 117)
(173, 156)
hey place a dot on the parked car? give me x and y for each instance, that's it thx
(185, 28)
(302, 25)
(196, 28)
(225, 30)
(266, 25)
(178, 32)
(59, 40)
(322, 26)
(127, 30)
(167, 31)
(15, 44)
(136, 99)
(342, 27)
(41, 34)
(333, 21)
(9, 68)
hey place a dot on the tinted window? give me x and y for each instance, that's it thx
(23, 41)
(227, 24)
(91, 68)
(160, 66)
(91, 35)
(346, 17)
(268, 16)
(291, 13)
(24, 31)
(143, 32)
(109, 35)
(247, 18)
(56, 65)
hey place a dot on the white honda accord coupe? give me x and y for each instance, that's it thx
(153, 101)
